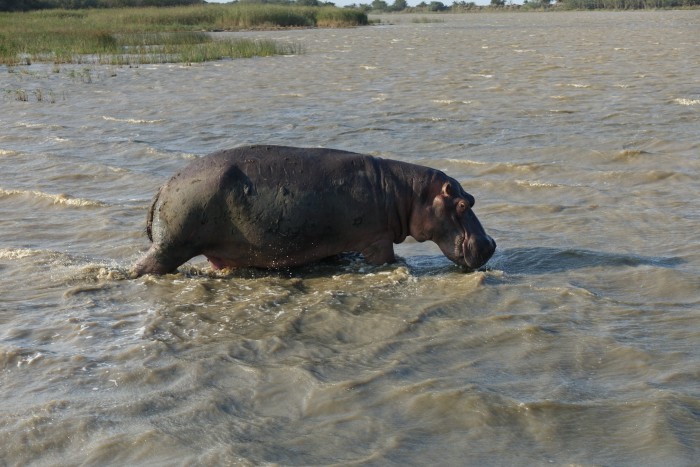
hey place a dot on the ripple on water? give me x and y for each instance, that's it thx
(577, 344)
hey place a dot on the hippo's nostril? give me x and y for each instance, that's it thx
(491, 245)
(487, 246)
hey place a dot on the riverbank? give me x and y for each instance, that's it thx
(155, 35)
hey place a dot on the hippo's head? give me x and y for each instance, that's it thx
(447, 219)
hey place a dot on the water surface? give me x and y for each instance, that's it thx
(576, 132)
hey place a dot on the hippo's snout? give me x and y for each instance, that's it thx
(478, 249)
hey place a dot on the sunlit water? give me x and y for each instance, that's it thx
(578, 134)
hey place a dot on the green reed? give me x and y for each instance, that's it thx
(424, 19)
(155, 35)
(197, 52)
(331, 17)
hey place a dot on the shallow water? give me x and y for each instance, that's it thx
(576, 132)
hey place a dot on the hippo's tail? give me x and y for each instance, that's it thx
(151, 210)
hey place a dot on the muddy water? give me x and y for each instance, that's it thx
(576, 132)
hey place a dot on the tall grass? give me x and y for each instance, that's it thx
(331, 17)
(190, 47)
(148, 35)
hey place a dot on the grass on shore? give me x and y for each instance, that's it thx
(155, 35)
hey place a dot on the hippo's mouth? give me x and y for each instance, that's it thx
(460, 253)
(466, 255)
(465, 249)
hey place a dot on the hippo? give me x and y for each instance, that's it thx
(275, 207)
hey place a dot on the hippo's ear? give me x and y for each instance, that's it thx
(447, 189)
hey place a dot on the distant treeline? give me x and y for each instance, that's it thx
(460, 6)
(375, 5)
(27, 5)
(626, 4)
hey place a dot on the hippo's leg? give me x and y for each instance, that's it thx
(380, 252)
(158, 261)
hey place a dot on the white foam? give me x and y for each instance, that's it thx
(61, 198)
(135, 121)
(17, 253)
(683, 101)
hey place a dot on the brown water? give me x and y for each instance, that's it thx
(578, 133)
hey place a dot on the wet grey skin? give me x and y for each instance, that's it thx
(277, 206)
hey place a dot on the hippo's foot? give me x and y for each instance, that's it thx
(220, 263)
(380, 252)
(158, 261)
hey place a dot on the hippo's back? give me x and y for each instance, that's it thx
(293, 168)
(274, 203)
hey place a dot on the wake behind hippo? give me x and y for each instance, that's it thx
(278, 206)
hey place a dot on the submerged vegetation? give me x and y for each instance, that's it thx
(155, 35)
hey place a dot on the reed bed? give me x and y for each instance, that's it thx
(156, 35)
(191, 51)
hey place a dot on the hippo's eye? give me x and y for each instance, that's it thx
(461, 207)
